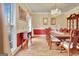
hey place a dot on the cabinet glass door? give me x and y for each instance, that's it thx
(68, 24)
(74, 23)
(71, 24)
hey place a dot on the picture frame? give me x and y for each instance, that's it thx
(53, 21)
(22, 13)
(45, 21)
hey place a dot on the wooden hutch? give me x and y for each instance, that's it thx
(73, 22)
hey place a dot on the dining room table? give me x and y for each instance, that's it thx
(61, 35)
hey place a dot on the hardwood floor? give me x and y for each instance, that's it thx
(40, 48)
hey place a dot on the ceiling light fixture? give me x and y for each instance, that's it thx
(56, 11)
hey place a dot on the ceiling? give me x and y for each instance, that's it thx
(47, 7)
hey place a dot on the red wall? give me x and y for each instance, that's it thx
(36, 32)
(20, 39)
(39, 32)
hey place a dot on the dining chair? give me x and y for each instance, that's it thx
(48, 37)
(51, 39)
(71, 45)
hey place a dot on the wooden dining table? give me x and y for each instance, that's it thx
(61, 36)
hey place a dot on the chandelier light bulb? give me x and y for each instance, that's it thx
(56, 12)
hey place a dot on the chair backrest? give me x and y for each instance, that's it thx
(65, 30)
(48, 30)
(61, 30)
(74, 37)
(78, 36)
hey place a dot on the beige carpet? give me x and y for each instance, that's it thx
(40, 48)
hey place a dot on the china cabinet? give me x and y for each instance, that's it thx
(73, 22)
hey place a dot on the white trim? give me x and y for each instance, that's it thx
(13, 11)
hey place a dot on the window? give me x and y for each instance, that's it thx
(8, 14)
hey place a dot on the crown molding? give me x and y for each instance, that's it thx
(72, 10)
(40, 13)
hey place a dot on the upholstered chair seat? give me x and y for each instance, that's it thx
(66, 45)
(54, 39)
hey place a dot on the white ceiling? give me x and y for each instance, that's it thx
(46, 7)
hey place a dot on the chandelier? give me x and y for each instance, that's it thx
(56, 11)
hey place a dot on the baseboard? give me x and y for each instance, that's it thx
(18, 48)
